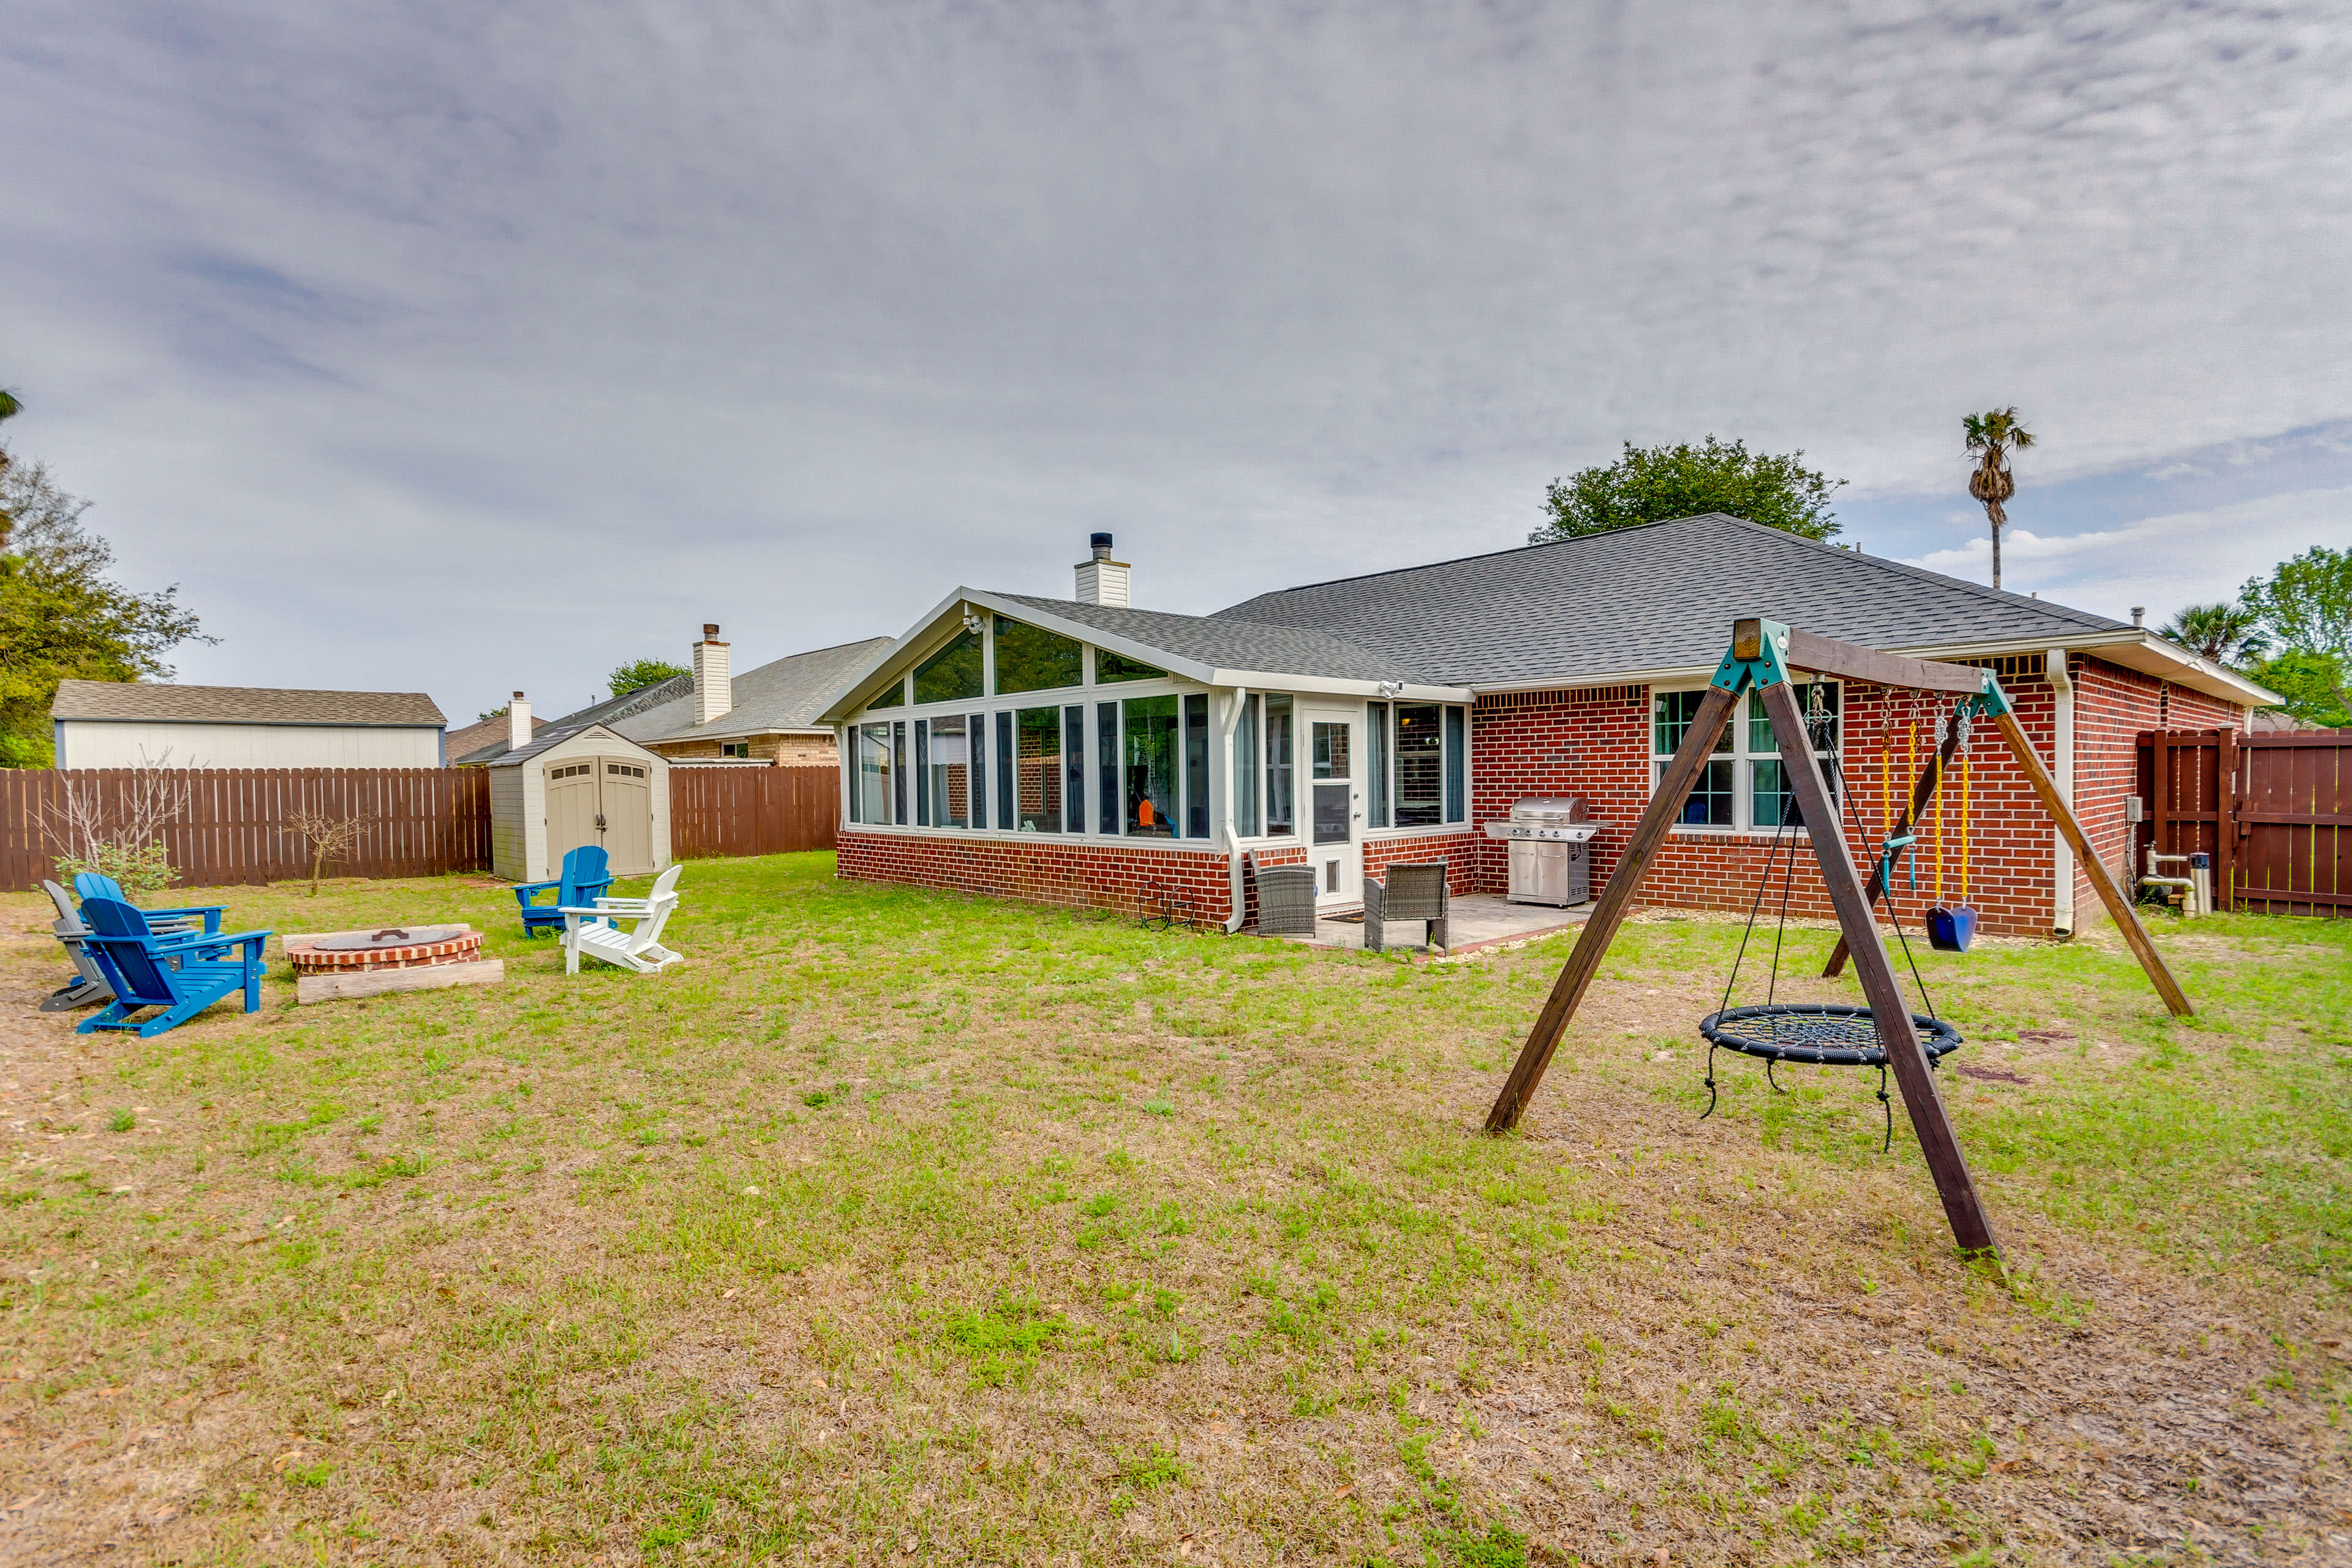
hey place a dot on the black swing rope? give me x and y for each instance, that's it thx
(1832, 1026)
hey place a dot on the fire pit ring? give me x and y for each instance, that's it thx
(387, 947)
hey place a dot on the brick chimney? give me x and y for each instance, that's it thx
(714, 687)
(517, 723)
(1101, 580)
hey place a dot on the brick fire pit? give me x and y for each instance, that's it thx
(346, 963)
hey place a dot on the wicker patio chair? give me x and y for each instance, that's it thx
(1286, 901)
(1408, 893)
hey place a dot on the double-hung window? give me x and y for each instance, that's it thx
(1744, 783)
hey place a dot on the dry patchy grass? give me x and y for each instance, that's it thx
(898, 1227)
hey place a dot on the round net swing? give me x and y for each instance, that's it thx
(1816, 1034)
(1819, 1034)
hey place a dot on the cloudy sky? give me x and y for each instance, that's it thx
(468, 347)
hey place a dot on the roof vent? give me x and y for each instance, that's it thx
(1101, 580)
(2138, 613)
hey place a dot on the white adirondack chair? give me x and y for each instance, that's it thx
(598, 932)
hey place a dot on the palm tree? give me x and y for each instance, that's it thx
(1992, 437)
(9, 409)
(2226, 634)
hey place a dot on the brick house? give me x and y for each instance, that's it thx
(1083, 752)
(766, 716)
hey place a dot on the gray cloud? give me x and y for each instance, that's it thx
(497, 345)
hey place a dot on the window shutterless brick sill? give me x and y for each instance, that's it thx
(1736, 834)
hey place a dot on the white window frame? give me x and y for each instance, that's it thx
(1741, 756)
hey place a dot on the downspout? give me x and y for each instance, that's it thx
(1225, 824)
(2061, 909)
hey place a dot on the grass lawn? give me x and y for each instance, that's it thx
(899, 1226)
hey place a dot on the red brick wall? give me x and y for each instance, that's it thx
(1458, 850)
(2111, 706)
(1596, 743)
(1040, 868)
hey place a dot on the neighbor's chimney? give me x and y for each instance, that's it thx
(1101, 580)
(714, 688)
(517, 723)
(2138, 611)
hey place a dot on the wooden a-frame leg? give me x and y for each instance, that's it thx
(1922, 792)
(1616, 901)
(2118, 907)
(1971, 1229)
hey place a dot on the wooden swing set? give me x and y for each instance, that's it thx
(1761, 656)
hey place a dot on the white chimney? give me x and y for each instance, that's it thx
(1101, 580)
(2138, 612)
(517, 723)
(714, 687)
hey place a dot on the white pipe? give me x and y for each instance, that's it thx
(1233, 840)
(2061, 912)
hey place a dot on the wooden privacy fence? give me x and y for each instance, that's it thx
(419, 822)
(752, 811)
(2273, 810)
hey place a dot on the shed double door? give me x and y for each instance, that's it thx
(604, 801)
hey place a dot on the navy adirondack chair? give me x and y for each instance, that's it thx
(90, 885)
(183, 975)
(587, 877)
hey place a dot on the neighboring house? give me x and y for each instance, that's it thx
(517, 728)
(767, 715)
(116, 724)
(1082, 751)
(489, 732)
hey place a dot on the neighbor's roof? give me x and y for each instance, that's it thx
(126, 701)
(482, 732)
(605, 713)
(787, 693)
(1656, 598)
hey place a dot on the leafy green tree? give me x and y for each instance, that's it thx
(9, 409)
(1991, 438)
(1654, 484)
(2308, 602)
(63, 617)
(2226, 634)
(644, 673)
(2316, 686)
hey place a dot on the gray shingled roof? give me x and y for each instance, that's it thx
(555, 734)
(787, 693)
(131, 700)
(608, 711)
(1229, 643)
(1661, 596)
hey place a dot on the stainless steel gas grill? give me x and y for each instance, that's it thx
(1551, 857)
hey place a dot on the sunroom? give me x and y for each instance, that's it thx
(1062, 730)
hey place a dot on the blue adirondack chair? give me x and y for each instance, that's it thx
(90, 885)
(140, 965)
(585, 879)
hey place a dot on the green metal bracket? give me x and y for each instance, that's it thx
(1993, 701)
(1741, 668)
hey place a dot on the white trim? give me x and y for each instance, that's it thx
(2061, 899)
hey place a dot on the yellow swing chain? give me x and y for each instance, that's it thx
(1964, 827)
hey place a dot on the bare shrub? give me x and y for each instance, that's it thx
(329, 837)
(122, 839)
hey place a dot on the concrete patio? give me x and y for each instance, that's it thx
(1479, 920)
